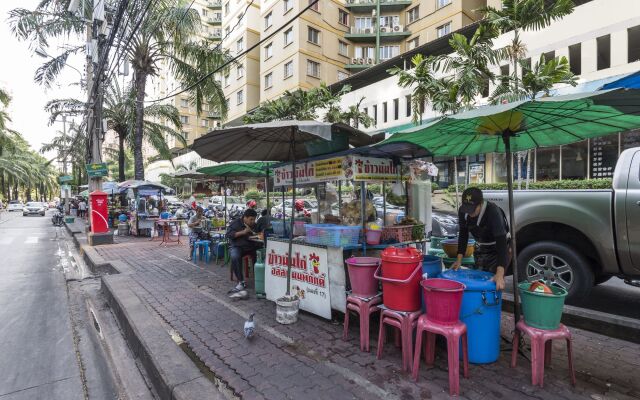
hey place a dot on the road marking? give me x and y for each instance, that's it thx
(31, 240)
(6, 241)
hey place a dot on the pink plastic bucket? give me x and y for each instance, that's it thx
(442, 298)
(361, 270)
(373, 237)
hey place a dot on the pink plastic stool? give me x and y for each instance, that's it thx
(453, 333)
(541, 349)
(364, 308)
(405, 322)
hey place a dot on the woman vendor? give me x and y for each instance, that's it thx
(488, 225)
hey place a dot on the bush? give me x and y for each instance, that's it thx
(399, 201)
(546, 185)
(375, 188)
(435, 186)
(254, 195)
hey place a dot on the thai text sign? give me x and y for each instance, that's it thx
(97, 170)
(309, 276)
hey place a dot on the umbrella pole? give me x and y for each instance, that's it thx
(293, 207)
(225, 201)
(384, 203)
(363, 214)
(514, 260)
(266, 188)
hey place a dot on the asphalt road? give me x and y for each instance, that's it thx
(38, 356)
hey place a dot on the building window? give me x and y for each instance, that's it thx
(343, 48)
(408, 111)
(226, 8)
(240, 71)
(184, 119)
(268, 80)
(268, 51)
(288, 69)
(226, 80)
(184, 103)
(413, 43)
(227, 31)
(375, 114)
(313, 35)
(575, 58)
(288, 5)
(413, 14)
(315, 6)
(186, 136)
(574, 160)
(204, 12)
(442, 3)
(396, 109)
(547, 164)
(387, 52)
(550, 55)
(384, 112)
(363, 25)
(342, 75)
(504, 74)
(604, 52)
(240, 97)
(288, 36)
(443, 30)
(204, 123)
(633, 44)
(343, 17)
(389, 22)
(268, 20)
(313, 69)
(240, 45)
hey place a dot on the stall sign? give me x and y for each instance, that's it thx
(310, 172)
(372, 169)
(309, 276)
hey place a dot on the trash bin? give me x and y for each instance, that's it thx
(481, 311)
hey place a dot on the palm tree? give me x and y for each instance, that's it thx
(120, 112)
(165, 36)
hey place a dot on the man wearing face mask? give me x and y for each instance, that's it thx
(488, 225)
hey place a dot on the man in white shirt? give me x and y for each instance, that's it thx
(82, 209)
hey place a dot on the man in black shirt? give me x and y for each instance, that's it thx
(238, 234)
(488, 225)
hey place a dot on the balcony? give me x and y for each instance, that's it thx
(214, 20)
(365, 6)
(214, 4)
(359, 64)
(215, 35)
(387, 34)
(213, 114)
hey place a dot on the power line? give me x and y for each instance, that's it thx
(237, 57)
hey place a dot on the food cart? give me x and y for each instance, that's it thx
(318, 273)
(144, 200)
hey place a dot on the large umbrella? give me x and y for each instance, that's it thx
(188, 174)
(250, 169)
(521, 126)
(279, 141)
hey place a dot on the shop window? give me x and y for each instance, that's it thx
(499, 168)
(575, 58)
(548, 164)
(574, 160)
(633, 44)
(629, 140)
(604, 52)
(604, 156)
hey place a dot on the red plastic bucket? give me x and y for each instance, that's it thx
(400, 273)
(361, 271)
(373, 237)
(443, 298)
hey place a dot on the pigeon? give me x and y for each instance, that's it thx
(249, 327)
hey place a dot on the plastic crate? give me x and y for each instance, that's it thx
(280, 227)
(333, 235)
(397, 233)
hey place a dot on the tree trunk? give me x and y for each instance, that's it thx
(140, 83)
(121, 171)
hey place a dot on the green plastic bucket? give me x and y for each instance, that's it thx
(542, 311)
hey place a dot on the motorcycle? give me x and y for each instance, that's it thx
(58, 218)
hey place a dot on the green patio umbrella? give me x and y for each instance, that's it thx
(521, 126)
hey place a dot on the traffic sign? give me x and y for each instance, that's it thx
(65, 178)
(97, 170)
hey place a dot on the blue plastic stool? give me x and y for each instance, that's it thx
(218, 250)
(201, 247)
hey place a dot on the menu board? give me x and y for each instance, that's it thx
(604, 156)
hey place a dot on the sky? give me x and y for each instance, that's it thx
(17, 70)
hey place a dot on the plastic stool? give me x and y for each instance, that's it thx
(541, 349)
(405, 322)
(453, 333)
(247, 263)
(201, 247)
(219, 250)
(364, 307)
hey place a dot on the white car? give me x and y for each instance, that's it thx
(34, 207)
(15, 206)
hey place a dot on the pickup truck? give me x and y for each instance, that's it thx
(580, 238)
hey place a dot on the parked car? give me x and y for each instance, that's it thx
(34, 207)
(580, 238)
(443, 224)
(15, 205)
(52, 204)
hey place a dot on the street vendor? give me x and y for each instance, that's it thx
(489, 227)
(238, 233)
(195, 229)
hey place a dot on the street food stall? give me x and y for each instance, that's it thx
(145, 204)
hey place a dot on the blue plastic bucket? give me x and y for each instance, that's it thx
(481, 311)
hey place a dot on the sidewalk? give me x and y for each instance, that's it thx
(310, 358)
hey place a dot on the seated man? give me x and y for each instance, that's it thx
(238, 234)
(264, 222)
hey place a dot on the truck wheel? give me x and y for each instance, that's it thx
(559, 264)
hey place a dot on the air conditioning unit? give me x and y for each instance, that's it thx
(354, 61)
(360, 60)
(367, 30)
(370, 61)
(383, 29)
(398, 28)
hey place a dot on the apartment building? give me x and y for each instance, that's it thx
(241, 82)
(602, 43)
